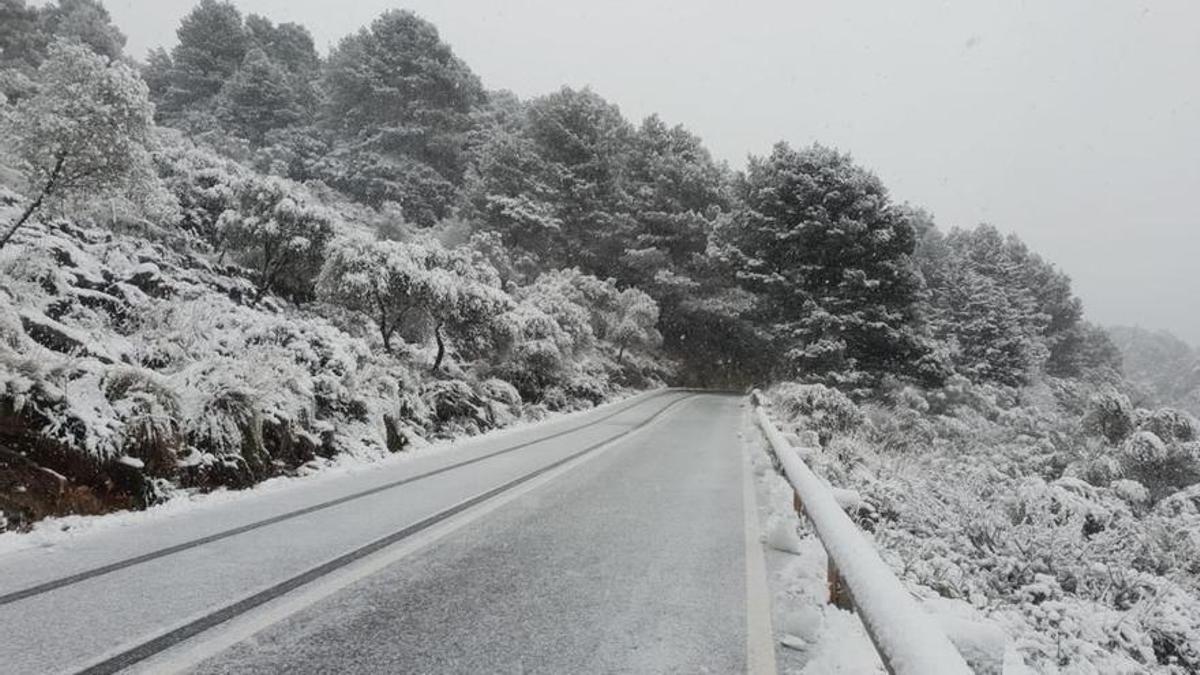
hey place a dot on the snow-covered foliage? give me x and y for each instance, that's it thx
(129, 369)
(272, 231)
(84, 131)
(571, 335)
(418, 283)
(1073, 527)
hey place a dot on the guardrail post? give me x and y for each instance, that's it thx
(839, 593)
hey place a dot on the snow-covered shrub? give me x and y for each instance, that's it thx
(537, 354)
(500, 391)
(1133, 492)
(1170, 425)
(203, 183)
(1110, 415)
(151, 418)
(634, 323)
(457, 406)
(991, 495)
(1163, 468)
(578, 303)
(819, 408)
(590, 387)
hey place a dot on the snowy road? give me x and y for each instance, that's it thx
(609, 541)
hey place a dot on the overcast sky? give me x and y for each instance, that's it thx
(1074, 123)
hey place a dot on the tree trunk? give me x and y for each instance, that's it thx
(264, 275)
(37, 203)
(385, 328)
(441, 345)
(387, 338)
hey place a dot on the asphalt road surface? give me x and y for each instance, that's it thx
(613, 541)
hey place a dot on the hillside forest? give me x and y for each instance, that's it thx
(240, 258)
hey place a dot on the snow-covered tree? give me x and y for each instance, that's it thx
(1004, 313)
(677, 191)
(27, 32)
(274, 232)
(635, 324)
(511, 192)
(407, 283)
(86, 22)
(212, 46)
(585, 141)
(399, 102)
(204, 184)
(86, 130)
(259, 98)
(818, 239)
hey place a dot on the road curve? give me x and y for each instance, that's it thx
(611, 541)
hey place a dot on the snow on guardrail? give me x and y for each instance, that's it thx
(908, 640)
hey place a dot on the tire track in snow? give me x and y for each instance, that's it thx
(46, 587)
(151, 647)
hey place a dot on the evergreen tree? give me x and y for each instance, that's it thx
(259, 98)
(26, 32)
(511, 191)
(400, 103)
(212, 46)
(289, 45)
(586, 143)
(818, 240)
(677, 192)
(21, 36)
(86, 22)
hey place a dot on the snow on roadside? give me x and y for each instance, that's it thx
(55, 532)
(813, 636)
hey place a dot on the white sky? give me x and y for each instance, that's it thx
(1074, 123)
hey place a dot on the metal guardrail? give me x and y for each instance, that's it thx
(908, 641)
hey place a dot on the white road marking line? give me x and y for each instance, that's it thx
(760, 635)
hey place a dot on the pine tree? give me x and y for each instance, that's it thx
(259, 98)
(212, 46)
(400, 102)
(585, 141)
(818, 240)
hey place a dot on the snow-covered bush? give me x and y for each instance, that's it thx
(817, 408)
(1110, 415)
(203, 183)
(1162, 467)
(989, 494)
(635, 322)
(1171, 425)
